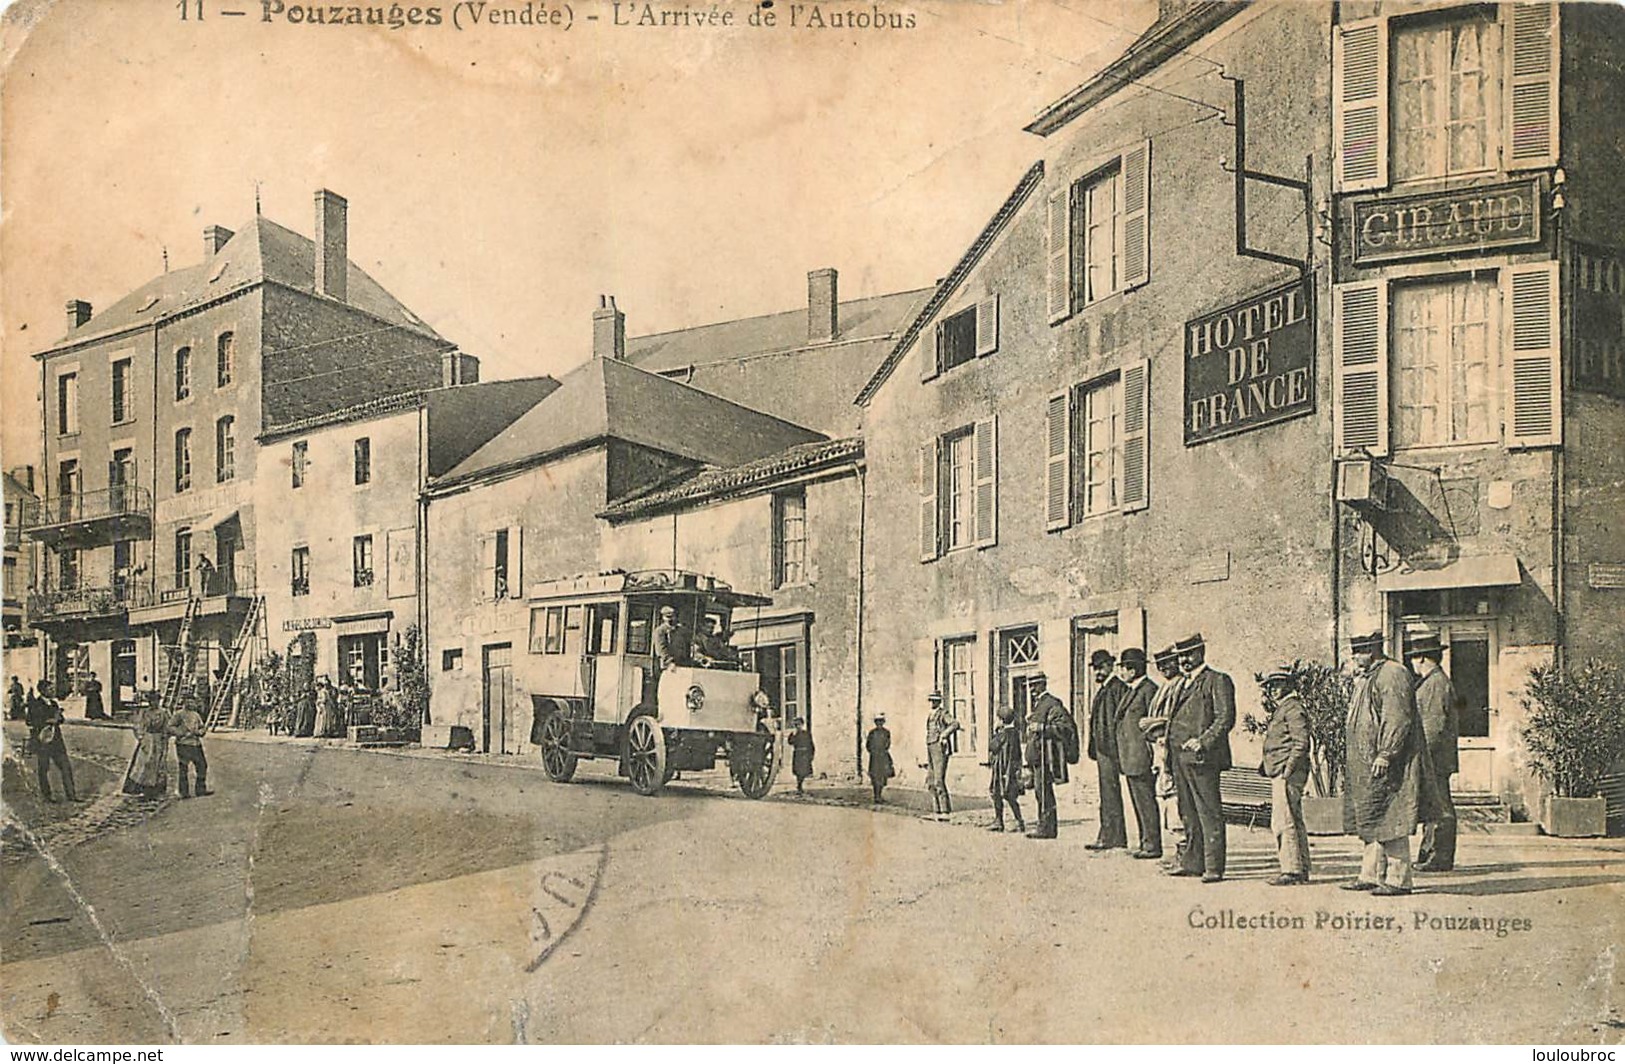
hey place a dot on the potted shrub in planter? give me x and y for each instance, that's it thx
(1325, 691)
(1575, 732)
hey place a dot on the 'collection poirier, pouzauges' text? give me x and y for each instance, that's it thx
(1351, 921)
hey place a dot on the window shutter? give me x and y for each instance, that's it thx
(1535, 417)
(1058, 461)
(985, 455)
(987, 326)
(516, 556)
(1360, 366)
(1136, 435)
(488, 567)
(1531, 77)
(930, 348)
(1060, 254)
(930, 536)
(1136, 237)
(1360, 105)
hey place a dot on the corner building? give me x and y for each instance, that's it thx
(1059, 459)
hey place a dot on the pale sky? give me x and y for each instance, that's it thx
(499, 179)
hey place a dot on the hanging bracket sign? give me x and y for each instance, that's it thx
(1251, 364)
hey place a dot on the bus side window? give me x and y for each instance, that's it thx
(606, 617)
(640, 626)
(572, 629)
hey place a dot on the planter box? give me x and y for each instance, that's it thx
(1574, 818)
(1323, 816)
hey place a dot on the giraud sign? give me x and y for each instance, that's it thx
(1434, 223)
(1251, 364)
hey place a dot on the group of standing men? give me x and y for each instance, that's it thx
(1170, 742)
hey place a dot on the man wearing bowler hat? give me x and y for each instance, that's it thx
(1440, 710)
(1199, 743)
(1389, 789)
(1134, 752)
(1103, 713)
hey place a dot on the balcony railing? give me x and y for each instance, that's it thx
(124, 507)
(14, 537)
(81, 601)
(237, 580)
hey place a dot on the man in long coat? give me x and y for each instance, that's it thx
(1440, 711)
(1389, 788)
(878, 745)
(1134, 751)
(1286, 766)
(1199, 742)
(1108, 699)
(1050, 730)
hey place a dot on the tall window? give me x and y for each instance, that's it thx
(183, 373)
(183, 460)
(299, 463)
(361, 560)
(790, 538)
(959, 684)
(363, 460)
(183, 558)
(299, 568)
(499, 565)
(225, 359)
(68, 569)
(957, 470)
(1446, 91)
(122, 410)
(225, 449)
(67, 404)
(1097, 219)
(1099, 410)
(1446, 362)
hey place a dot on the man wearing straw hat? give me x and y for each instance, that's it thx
(1286, 766)
(1155, 726)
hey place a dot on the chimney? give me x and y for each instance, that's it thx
(78, 313)
(458, 368)
(608, 330)
(332, 245)
(823, 308)
(214, 238)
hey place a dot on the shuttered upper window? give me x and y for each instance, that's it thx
(959, 490)
(1446, 361)
(1097, 455)
(1462, 90)
(1098, 231)
(1446, 94)
(962, 337)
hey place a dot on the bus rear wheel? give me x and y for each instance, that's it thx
(558, 760)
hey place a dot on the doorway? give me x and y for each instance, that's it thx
(1089, 634)
(496, 698)
(1471, 651)
(1018, 662)
(124, 672)
(361, 659)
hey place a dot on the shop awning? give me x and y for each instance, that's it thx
(1489, 570)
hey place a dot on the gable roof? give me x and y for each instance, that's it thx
(607, 399)
(984, 240)
(768, 363)
(715, 482)
(262, 252)
(1170, 34)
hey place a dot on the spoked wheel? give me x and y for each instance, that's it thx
(754, 762)
(558, 760)
(645, 755)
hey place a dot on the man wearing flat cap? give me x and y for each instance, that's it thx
(1440, 711)
(1103, 711)
(1155, 726)
(1286, 766)
(1389, 789)
(673, 643)
(940, 728)
(1134, 752)
(1052, 743)
(1199, 741)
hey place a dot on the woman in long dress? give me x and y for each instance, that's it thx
(149, 769)
(327, 707)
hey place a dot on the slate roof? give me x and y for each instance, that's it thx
(262, 251)
(768, 363)
(713, 482)
(984, 240)
(611, 399)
